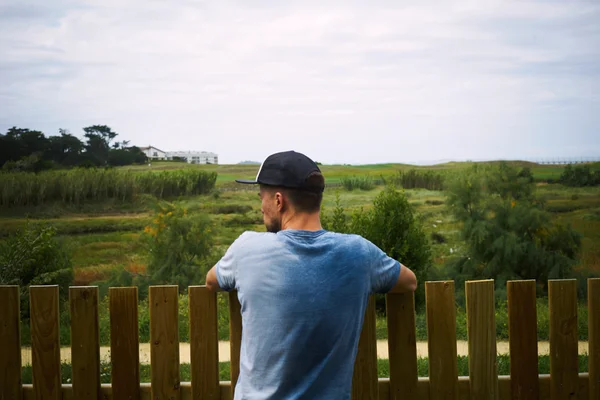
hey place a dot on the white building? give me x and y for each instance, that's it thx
(153, 153)
(195, 157)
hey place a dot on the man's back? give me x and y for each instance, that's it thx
(303, 296)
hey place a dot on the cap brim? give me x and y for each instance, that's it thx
(247, 182)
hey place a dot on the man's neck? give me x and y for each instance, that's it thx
(302, 221)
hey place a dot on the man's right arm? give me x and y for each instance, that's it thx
(407, 281)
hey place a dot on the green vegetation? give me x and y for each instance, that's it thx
(415, 179)
(580, 175)
(507, 232)
(357, 182)
(33, 256)
(105, 239)
(31, 151)
(78, 186)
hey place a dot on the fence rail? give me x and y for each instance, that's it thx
(524, 382)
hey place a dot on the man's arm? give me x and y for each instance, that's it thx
(212, 283)
(407, 281)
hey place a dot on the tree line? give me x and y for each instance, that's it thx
(32, 151)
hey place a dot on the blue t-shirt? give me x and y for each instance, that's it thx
(303, 296)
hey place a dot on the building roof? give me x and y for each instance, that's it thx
(152, 147)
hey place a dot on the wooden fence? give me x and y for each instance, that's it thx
(483, 382)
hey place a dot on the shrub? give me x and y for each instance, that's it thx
(232, 209)
(34, 256)
(580, 175)
(357, 182)
(413, 179)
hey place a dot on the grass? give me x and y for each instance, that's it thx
(383, 369)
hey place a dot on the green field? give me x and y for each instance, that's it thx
(105, 236)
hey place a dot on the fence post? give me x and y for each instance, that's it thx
(364, 381)
(124, 343)
(522, 336)
(594, 337)
(85, 343)
(45, 342)
(10, 337)
(564, 364)
(402, 345)
(235, 337)
(164, 342)
(481, 329)
(204, 343)
(441, 340)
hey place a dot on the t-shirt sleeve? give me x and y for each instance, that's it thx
(384, 270)
(227, 266)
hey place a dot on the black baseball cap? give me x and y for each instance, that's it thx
(287, 169)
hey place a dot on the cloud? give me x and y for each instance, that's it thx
(345, 83)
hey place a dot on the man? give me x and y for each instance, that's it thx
(303, 290)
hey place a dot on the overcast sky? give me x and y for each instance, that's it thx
(344, 82)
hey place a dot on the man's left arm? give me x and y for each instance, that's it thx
(212, 283)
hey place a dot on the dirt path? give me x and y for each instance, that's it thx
(382, 351)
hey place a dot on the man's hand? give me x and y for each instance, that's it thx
(212, 283)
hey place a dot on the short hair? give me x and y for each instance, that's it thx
(309, 198)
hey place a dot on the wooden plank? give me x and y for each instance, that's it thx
(481, 330)
(594, 337)
(364, 380)
(522, 332)
(441, 340)
(402, 345)
(124, 343)
(45, 342)
(564, 364)
(85, 342)
(383, 383)
(164, 341)
(10, 338)
(235, 338)
(204, 343)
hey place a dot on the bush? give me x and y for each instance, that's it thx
(580, 175)
(34, 256)
(357, 182)
(180, 247)
(413, 179)
(508, 233)
(392, 226)
(434, 202)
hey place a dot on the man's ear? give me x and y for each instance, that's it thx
(280, 201)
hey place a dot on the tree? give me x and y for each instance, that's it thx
(180, 247)
(65, 149)
(98, 143)
(508, 233)
(392, 226)
(34, 256)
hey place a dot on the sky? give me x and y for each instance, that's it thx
(341, 81)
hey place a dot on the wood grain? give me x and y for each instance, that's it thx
(564, 364)
(164, 342)
(364, 380)
(235, 337)
(522, 332)
(45, 342)
(402, 345)
(10, 343)
(441, 339)
(594, 337)
(85, 342)
(124, 343)
(481, 329)
(204, 343)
